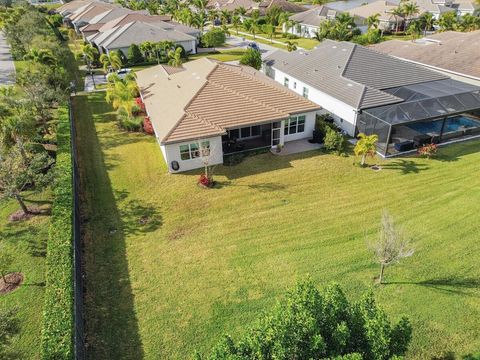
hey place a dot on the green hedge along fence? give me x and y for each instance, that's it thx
(58, 317)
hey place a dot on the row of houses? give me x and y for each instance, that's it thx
(111, 27)
(231, 108)
(308, 21)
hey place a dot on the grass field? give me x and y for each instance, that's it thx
(27, 239)
(170, 267)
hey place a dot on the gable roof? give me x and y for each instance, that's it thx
(351, 73)
(207, 97)
(138, 32)
(87, 13)
(230, 5)
(381, 7)
(430, 6)
(72, 6)
(315, 15)
(284, 5)
(453, 51)
(134, 16)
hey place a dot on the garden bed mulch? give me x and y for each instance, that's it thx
(19, 215)
(13, 281)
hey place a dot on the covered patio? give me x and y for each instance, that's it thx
(433, 112)
(248, 138)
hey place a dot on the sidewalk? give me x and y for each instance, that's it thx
(7, 66)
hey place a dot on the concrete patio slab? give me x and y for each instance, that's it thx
(297, 146)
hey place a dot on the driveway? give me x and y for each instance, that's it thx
(237, 41)
(7, 67)
(99, 79)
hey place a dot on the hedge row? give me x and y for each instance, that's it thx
(58, 316)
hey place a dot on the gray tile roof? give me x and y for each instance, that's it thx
(315, 15)
(351, 73)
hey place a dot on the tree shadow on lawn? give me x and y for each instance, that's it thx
(111, 323)
(461, 286)
(405, 166)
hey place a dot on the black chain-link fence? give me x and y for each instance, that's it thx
(77, 250)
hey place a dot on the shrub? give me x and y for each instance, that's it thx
(213, 38)
(314, 324)
(428, 151)
(58, 318)
(134, 55)
(127, 122)
(252, 58)
(147, 126)
(136, 109)
(333, 141)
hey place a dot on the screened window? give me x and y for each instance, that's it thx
(305, 92)
(245, 132)
(234, 134)
(192, 151)
(256, 130)
(296, 124)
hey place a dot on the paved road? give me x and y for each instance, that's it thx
(7, 67)
(241, 43)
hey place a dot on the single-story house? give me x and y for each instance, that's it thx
(137, 32)
(72, 6)
(230, 5)
(284, 5)
(98, 21)
(388, 21)
(434, 7)
(83, 15)
(405, 104)
(308, 22)
(225, 108)
(465, 7)
(456, 54)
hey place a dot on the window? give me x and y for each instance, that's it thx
(285, 82)
(296, 124)
(305, 92)
(192, 151)
(234, 134)
(256, 130)
(245, 132)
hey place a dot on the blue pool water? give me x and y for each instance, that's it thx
(451, 125)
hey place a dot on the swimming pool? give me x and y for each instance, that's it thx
(453, 124)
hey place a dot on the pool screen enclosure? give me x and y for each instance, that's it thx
(431, 112)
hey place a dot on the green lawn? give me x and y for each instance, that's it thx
(170, 266)
(222, 55)
(27, 239)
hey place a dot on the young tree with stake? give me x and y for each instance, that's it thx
(392, 245)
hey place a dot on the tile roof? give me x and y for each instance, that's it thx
(284, 5)
(72, 6)
(208, 97)
(315, 15)
(450, 50)
(91, 11)
(128, 18)
(351, 73)
(382, 7)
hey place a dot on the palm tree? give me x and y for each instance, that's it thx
(89, 55)
(175, 57)
(121, 93)
(414, 30)
(427, 20)
(397, 13)
(162, 48)
(200, 5)
(241, 11)
(146, 48)
(41, 56)
(448, 21)
(373, 21)
(366, 146)
(269, 29)
(410, 9)
(111, 61)
(291, 45)
(225, 16)
(200, 20)
(212, 16)
(283, 19)
(236, 22)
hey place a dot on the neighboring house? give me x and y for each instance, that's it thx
(284, 5)
(434, 7)
(120, 37)
(70, 7)
(109, 22)
(224, 107)
(463, 7)
(388, 21)
(405, 104)
(455, 54)
(111, 14)
(308, 22)
(83, 15)
(250, 5)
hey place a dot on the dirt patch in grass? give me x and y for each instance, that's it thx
(11, 283)
(19, 215)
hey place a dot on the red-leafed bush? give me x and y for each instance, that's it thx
(429, 150)
(140, 103)
(147, 125)
(205, 181)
